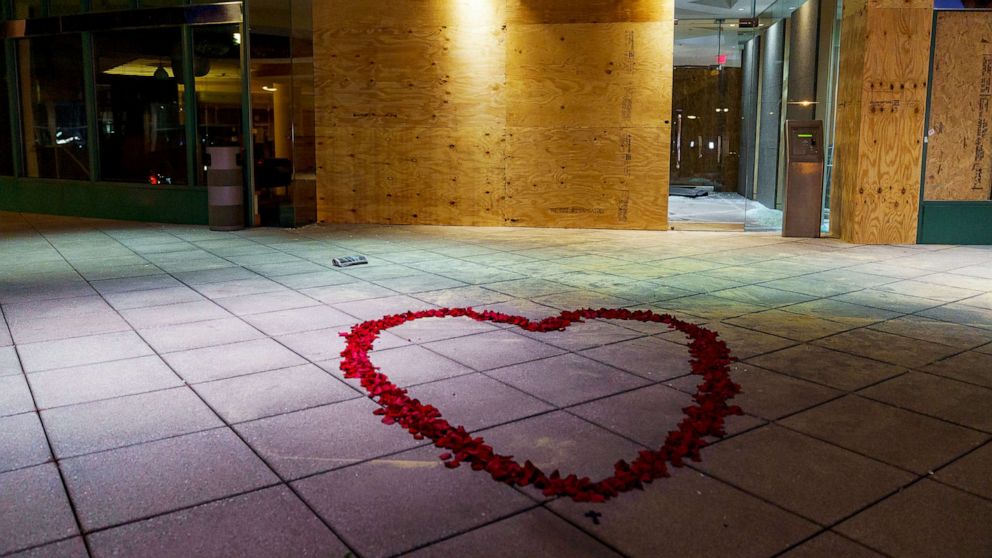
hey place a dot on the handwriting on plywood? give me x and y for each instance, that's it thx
(959, 150)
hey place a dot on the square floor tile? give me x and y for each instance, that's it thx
(446, 501)
(971, 472)
(895, 349)
(830, 544)
(240, 287)
(771, 395)
(181, 313)
(92, 382)
(888, 301)
(843, 312)
(78, 351)
(49, 329)
(235, 359)
(412, 365)
(805, 476)
(113, 423)
(300, 319)
(790, 325)
(15, 397)
(385, 306)
(476, 401)
(131, 483)
(654, 358)
(35, 508)
(108, 287)
(266, 302)
(438, 329)
(348, 292)
(939, 397)
(927, 519)
(942, 293)
(419, 283)
(901, 438)
(722, 520)
(645, 415)
(197, 335)
(536, 532)
(743, 342)
(262, 524)
(824, 366)
(23, 441)
(272, 393)
(712, 306)
(567, 379)
(317, 278)
(974, 367)
(563, 442)
(69, 548)
(327, 344)
(152, 297)
(574, 300)
(961, 314)
(462, 297)
(57, 308)
(945, 333)
(10, 364)
(529, 288)
(762, 296)
(585, 335)
(490, 350)
(324, 438)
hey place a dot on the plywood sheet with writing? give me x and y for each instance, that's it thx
(589, 75)
(959, 155)
(589, 177)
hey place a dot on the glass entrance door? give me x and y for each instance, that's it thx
(706, 186)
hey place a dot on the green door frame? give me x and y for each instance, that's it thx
(948, 222)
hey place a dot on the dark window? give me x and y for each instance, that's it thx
(54, 110)
(140, 106)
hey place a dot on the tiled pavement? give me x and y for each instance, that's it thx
(171, 391)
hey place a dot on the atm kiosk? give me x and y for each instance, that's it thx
(803, 179)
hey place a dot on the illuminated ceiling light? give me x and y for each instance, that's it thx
(237, 38)
(270, 88)
(691, 117)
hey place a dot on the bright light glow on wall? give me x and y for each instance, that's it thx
(473, 13)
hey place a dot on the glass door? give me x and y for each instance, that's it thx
(706, 188)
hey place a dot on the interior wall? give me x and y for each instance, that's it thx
(545, 113)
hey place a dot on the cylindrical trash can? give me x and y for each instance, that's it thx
(225, 189)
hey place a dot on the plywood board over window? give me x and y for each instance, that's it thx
(959, 154)
(494, 112)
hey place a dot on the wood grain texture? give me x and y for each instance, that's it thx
(880, 151)
(440, 112)
(588, 11)
(959, 155)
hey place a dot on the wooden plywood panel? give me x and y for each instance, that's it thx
(590, 177)
(402, 14)
(587, 11)
(959, 155)
(586, 75)
(417, 77)
(413, 108)
(847, 136)
(414, 176)
(879, 156)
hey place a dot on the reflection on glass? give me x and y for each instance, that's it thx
(64, 7)
(6, 152)
(54, 110)
(24, 9)
(139, 100)
(109, 5)
(283, 117)
(217, 70)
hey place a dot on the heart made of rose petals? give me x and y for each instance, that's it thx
(710, 359)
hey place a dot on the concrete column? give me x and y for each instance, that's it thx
(770, 113)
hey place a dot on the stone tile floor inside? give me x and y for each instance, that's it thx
(172, 391)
